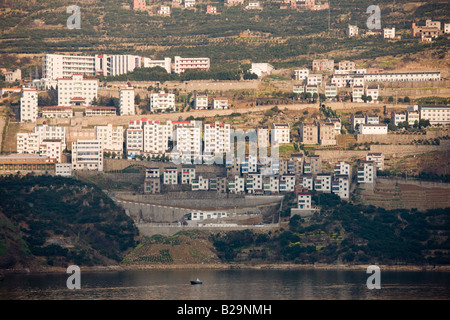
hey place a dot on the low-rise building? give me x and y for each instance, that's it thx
(57, 112)
(87, 155)
(373, 91)
(26, 163)
(327, 133)
(162, 102)
(352, 30)
(200, 183)
(152, 185)
(366, 172)
(281, 133)
(201, 100)
(63, 169)
(377, 158)
(389, 33)
(323, 65)
(170, 175)
(357, 93)
(412, 117)
(357, 120)
(220, 103)
(398, 117)
(95, 111)
(187, 174)
(304, 201)
(302, 74)
(373, 129)
(436, 114)
(343, 168)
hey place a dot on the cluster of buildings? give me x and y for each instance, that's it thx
(303, 5)
(320, 132)
(362, 81)
(431, 30)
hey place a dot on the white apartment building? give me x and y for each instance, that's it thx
(301, 74)
(287, 183)
(307, 182)
(337, 124)
(357, 93)
(253, 183)
(187, 174)
(217, 139)
(377, 158)
(311, 88)
(373, 92)
(189, 3)
(55, 66)
(170, 175)
(63, 169)
(57, 112)
(28, 142)
(135, 138)
(187, 141)
(389, 33)
(200, 183)
(343, 168)
(402, 76)
(398, 117)
(299, 88)
(331, 91)
(183, 64)
(261, 68)
(341, 186)
(31, 142)
(314, 80)
(366, 172)
(152, 173)
(373, 129)
(304, 201)
(51, 148)
(352, 30)
(51, 132)
(164, 11)
(121, 64)
(156, 137)
(166, 63)
(357, 119)
(220, 103)
(322, 182)
(126, 101)
(281, 133)
(29, 105)
(87, 155)
(111, 138)
(76, 90)
(162, 101)
(200, 100)
(412, 117)
(249, 164)
(435, 114)
(372, 119)
(12, 76)
(271, 184)
(236, 184)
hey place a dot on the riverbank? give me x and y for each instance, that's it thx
(224, 266)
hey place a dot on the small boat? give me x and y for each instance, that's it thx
(196, 281)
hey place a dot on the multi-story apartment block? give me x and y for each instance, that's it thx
(170, 175)
(312, 89)
(373, 92)
(236, 184)
(152, 185)
(153, 172)
(111, 137)
(322, 182)
(309, 133)
(314, 79)
(76, 90)
(126, 101)
(287, 183)
(135, 138)
(187, 141)
(57, 112)
(271, 184)
(340, 185)
(343, 168)
(372, 119)
(200, 100)
(307, 182)
(323, 65)
(352, 31)
(337, 124)
(200, 183)
(63, 169)
(166, 63)
(299, 88)
(389, 33)
(331, 91)
(156, 137)
(366, 172)
(304, 201)
(249, 164)
(162, 101)
(29, 105)
(120, 64)
(183, 64)
(12, 76)
(51, 148)
(218, 184)
(55, 66)
(217, 139)
(315, 164)
(347, 66)
(220, 103)
(30, 142)
(187, 174)
(263, 137)
(96, 111)
(412, 117)
(253, 183)
(377, 158)
(293, 165)
(327, 133)
(281, 133)
(436, 114)
(357, 93)
(87, 155)
(357, 120)
(402, 76)
(398, 117)
(302, 74)
(373, 129)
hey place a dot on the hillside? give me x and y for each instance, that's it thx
(51, 221)
(285, 38)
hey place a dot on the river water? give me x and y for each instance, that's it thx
(229, 285)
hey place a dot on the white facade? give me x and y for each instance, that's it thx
(170, 176)
(402, 76)
(55, 66)
(166, 63)
(63, 169)
(261, 68)
(29, 105)
(254, 182)
(357, 119)
(12, 76)
(389, 33)
(287, 183)
(187, 141)
(162, 101)
(412, 117)
(189, 3)
(314, 80)
(135, 138)
(156, 137)
(263, 137)
(352, 31)
(366, 172)
(373, 91)
(304, 201)
(96, 111)
(57, 112)
(435, 114)
(377, 158)
(77, 90)
(111, 137)
(87, 155)
(187, 174)
(447, 28)
(301, 74)
(200, 183)
(322, 182)
(183, 64)
(357, 93)
(373, 129)
(341, 186)
(126, 101)
(217, 139)
(164, 11)
(220, 103)
(51, 148)
(200, 100)
(398, 117)
(281, 133)
(30, 142)
(343, 168)
(121, 64)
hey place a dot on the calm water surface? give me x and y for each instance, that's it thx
(228, 285)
